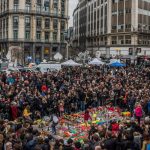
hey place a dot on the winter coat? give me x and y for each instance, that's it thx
(30, 145)
(130, 145)
(109, 144)
(87, 116)
(138, 111)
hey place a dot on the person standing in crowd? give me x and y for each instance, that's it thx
(87, 117)
(138, 112)
(27, 113)
(54, 120)
(61, 108)
(14, 110)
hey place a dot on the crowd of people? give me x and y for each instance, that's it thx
(28, 96)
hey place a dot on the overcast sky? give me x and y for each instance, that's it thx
(72, 6)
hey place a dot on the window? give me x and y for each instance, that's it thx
(62, 7)
(38, 22)
(6, 33)
(62, 37)
(114, 13)
(16, 5)
(98, 2)
(130, 51)
(114, 27)
(127, 39)
(55, 36)
(46, 5)
(47, 23)
(15, 34)
(128, 11)
(27, 35)
(120, 27)
(6, 22)
(120, 39)
(128, 26)
(62, 25)
(38, 35)
(47, 36)
(27, 22)
(28, 1)
(55, 6)
(102, 11)
(28, 5)
(0, 24)
(55, 24)
(120, 12)
(38, 6)
(38, 1)
(115, 1)
(15, 21)
(114, 40)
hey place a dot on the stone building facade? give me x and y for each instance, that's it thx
(37, 26)
(113, 27)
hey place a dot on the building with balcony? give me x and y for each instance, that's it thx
(37, 26)
(112, 27)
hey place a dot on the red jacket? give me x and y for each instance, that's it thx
(138, 111)
(87, 116)
(14, 112)
(44, 88)
(115, 127)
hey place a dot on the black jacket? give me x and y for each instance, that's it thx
(130, 145)
(109, 144)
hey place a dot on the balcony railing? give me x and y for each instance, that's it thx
(33, 12)
(31, 40)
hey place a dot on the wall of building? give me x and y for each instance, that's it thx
(50, 38)
(123, 24)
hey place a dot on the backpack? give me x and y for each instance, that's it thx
(55, 119)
